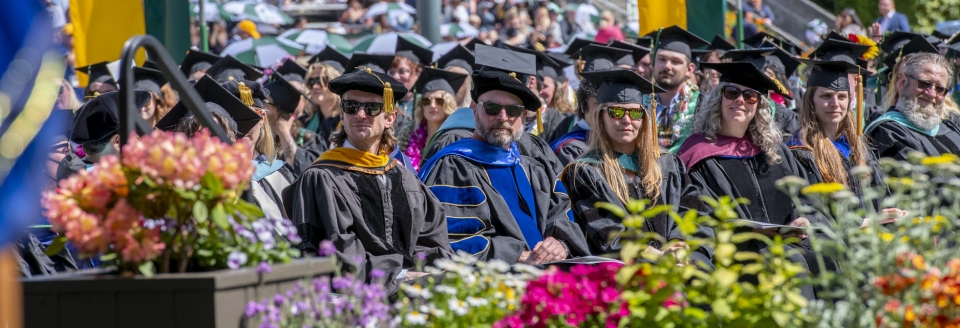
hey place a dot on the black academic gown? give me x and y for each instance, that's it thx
(308, 152)
(567, 124)
(570, 151)
(755, 179)
(804, 156)
(501, 236)
(786, 119)
(892, 139)
(529, 145)
(587, 186)
(378, 218)
(552, 123)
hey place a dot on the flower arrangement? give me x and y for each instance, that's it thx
(169, 203)
(873, 52)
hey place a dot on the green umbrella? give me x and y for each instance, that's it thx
(212, 10)
(262, 52)
(257, 12)
(387, 42)
(315, 40)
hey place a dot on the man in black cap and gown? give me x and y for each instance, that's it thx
(671, 68)
(376, 213)
(501, 204)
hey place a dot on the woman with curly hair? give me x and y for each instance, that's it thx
(736, 150)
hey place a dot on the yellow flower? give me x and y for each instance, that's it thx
(886, 236)
(904, 239)
(822, 188)
(909, 315)
(938, 160)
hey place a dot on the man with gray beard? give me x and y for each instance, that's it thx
(915, 123)
(499, 203)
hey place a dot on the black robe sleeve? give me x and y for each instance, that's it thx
(786, 119)
(570, 151)
(891, 139)
(480, 219)
(307, 153)
(442, 139)
(565, 126)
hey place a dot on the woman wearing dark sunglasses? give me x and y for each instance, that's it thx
(737, 151)
(623, 162)
(322, 112)
(437, 102)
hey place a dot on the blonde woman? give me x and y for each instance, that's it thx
(322, 112)
(436, 103)
(623, 162)
(736, 150)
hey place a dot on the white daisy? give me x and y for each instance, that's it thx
(475, 301)
(416, 318)
(457, 306)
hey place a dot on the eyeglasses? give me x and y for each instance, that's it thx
(493, 109)
(322, 81)
(426, 101)
(925, 85)
(351, 107)
(616, 112)
(749, 96)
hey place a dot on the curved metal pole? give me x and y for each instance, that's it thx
(130, 119)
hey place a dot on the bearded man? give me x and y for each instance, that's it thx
(499, 203)
(915, 123)
(673, 65)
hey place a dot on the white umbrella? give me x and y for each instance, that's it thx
(381, 8)
(257, 12)
(459, 30)
(386, 43)
(587, 15)
(262, 52)
(441, 49)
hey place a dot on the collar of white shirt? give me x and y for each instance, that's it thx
(890, 14)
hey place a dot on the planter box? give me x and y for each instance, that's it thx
(206, 299)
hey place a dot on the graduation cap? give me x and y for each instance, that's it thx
(376, 63)
(748, 75)
(839, 50)
(644, 41)
(896, 40)
(250, 93)
(546, 66)
(98, 119)
(575, 46)
(285, 96)
(830, 75)
(719, 43)
(228, 67)
(218, 100)
(676, 39)
(459, 56)
(417, 54)
(637, 52)
(917, 45)
(433, 79)
(472, 44)
(368, 80)
(291, 71)
(783, 58)
(602, 58)
(501, 70)
(760, 57)
(197, 61)
(98, 73)
(331, 57)
(757, 39)
(620, 86)
(148, 79)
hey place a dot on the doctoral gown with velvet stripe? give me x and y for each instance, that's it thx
(587, 186)
(378, 218)
(529, 145)
(571, 145)
(894, 140)
(480, 220)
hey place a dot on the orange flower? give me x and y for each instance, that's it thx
(918, 262)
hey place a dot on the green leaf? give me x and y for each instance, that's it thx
(200, 212)
(56, 246)
(616, 210)
(146, 269)
(108, 257)
(204, 253)
(219, 216)
(721, 308)
(725, 277)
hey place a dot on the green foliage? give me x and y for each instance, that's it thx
(922, 14)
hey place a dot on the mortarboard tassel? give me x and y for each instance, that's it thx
(246, 95)
(388, 105)
(655, 132)
(539, 121)
(859, 102)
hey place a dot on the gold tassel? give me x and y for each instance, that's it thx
(859, 103)
(246, 95)
(93, 95)
(538, 46)
(388, 103)
(514, 76)
(653, 134)
(540, 120)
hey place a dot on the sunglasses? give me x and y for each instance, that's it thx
(926, 85)
(426, 101)
(351, 107)
(749, 96)
(617, 113)
(322, 81)
(493, 109)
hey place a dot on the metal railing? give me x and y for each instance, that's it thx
(130, 120)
